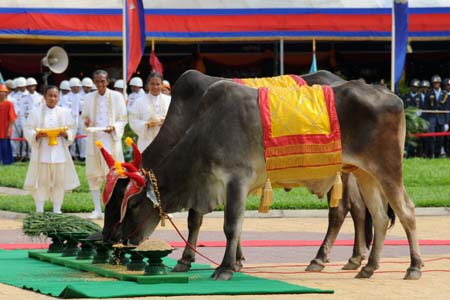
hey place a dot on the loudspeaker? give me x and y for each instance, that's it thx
(56, 60)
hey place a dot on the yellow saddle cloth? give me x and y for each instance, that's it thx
(301, 131)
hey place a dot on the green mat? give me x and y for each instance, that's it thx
(59, 281)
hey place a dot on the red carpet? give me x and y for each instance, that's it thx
(260, 243)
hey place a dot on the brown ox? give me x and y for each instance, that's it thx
(220, 159)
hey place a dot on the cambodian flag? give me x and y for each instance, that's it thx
(134, 35)
(400, 37)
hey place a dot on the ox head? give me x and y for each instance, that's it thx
(139, 213)
(116, 184)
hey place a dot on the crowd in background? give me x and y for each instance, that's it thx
(82, 112)
(434, 100)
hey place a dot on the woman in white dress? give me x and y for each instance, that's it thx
(149, 111)
(51, 171)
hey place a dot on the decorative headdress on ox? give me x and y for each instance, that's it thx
(122, 170)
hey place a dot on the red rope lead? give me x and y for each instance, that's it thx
(188, 244)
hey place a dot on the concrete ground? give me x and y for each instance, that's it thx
(288, 263)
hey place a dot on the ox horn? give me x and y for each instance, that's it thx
(137, 156)
(108, 158)
(137, 178)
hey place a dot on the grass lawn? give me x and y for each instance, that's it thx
(427, 183)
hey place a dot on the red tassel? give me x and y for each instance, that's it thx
(155, 63)
(108, 158)
(137, 156)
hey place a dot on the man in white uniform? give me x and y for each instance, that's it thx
(136, 85)
(64, 90)
(149, 112)
(87, 85)
(23, 105)
(51, 171)
(75, 98)
(31, 87)
(105, 117)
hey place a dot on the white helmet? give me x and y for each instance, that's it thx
(10, 84)
(118, 84)
(64, 85)
(31, 81)
(136, 81)
(94, 88)
(87, 82)
(74, 81)
(20, 81)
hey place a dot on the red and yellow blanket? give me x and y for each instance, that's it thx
(301, 131)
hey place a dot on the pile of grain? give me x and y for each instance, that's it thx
(154, 244)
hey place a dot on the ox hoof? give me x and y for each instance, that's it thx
(350, 265)
(315, 266)
(181, 267)
(364, 273)
(413, 274)
(238, 266)
(222, 274)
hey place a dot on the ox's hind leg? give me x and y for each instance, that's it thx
(362, 223)
(232, 226)
(404, 209)
(377, 205)
(194, 223)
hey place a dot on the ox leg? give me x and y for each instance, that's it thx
(194, 223)
(377, 206)
(405, 211)
(336, 217)
(234, 217)
(358, 213)
(239, 258)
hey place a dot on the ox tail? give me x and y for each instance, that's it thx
(391, 215)
(368, 229)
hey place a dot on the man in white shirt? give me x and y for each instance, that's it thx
(23, 105)
(149, 112)
(64, 90)
(136, 85)
(51, 171)
(31, 87)
(105, 117)
(75, 98)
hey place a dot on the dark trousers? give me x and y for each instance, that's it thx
(433, 144)
(6, 156)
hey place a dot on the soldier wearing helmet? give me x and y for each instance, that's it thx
(76, 102)
(413, 97)
(424, 89)
(87, 85)
(436, 100)
(24, 105)
(31, 87)
(136, 85)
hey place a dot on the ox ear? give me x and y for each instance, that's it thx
(150, 193)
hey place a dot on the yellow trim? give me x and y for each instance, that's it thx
(303, 160)
(302, 148)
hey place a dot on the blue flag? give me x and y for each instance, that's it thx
(313, 67)
(400, 15)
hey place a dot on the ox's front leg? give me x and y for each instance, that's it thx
(336, 217)
(194, 223)
(232, 226)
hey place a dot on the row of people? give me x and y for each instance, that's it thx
(51, 170)
(436, 103)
